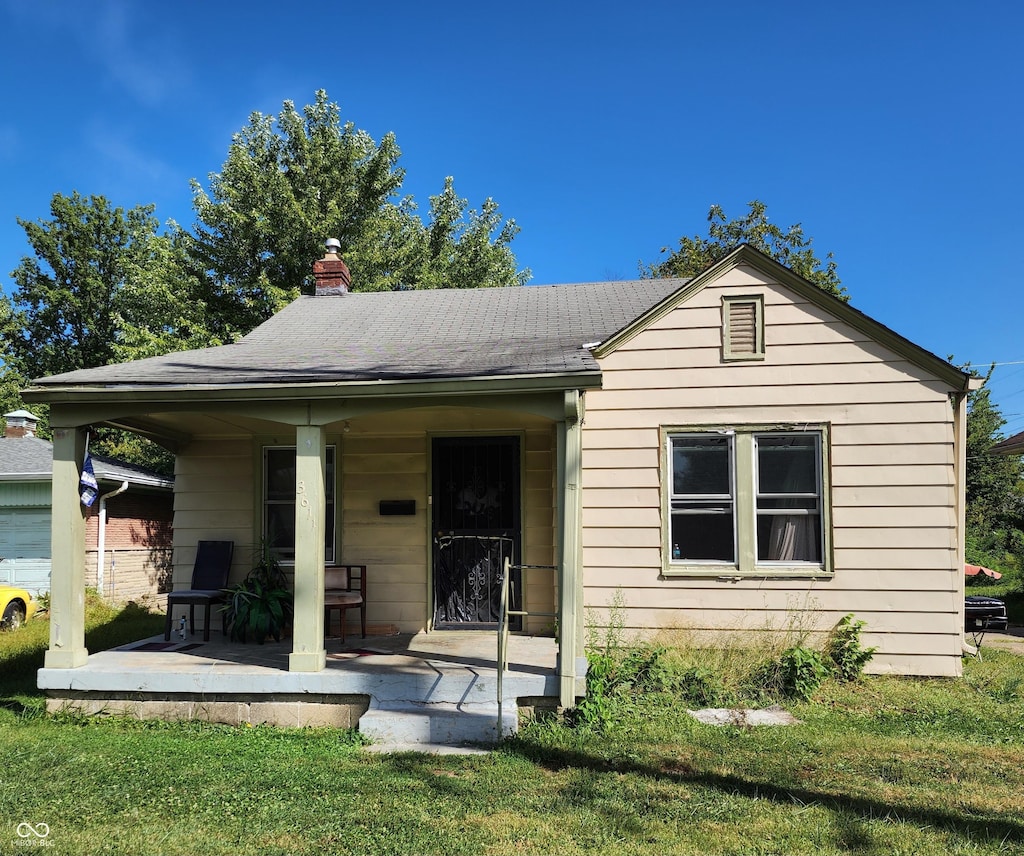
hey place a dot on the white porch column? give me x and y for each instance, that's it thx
(308, 651)
(67, 574)
(569, 455)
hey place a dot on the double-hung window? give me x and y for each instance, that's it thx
(703, 498)
(279, 502)
(788, 476)
(746, 500)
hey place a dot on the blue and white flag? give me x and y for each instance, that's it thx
(88, 482)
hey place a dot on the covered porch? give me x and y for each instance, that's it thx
(350, 457)
(441, 685)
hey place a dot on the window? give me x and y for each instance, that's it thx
(703, 501)
(788, 497)
(746, 500)
(279, 502)
(743, 328)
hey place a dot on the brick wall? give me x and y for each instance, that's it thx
(137, 551)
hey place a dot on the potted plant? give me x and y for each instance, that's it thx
(261, 604)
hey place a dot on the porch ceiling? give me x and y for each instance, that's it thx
(182, 425)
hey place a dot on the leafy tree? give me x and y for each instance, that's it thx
(788, 246)
(458, 250)
(995, 488)
(102, 287)
(64, 304)
(288, 183)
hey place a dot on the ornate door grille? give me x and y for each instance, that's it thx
(476, 524)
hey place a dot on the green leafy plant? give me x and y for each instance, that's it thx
(261, 604)
(796, 674)
(617, 671)
(699, 686)
(844, 651)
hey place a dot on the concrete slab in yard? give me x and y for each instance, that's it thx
(744, 716)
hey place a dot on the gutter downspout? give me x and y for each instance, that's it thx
(959, 401)
(101, 537)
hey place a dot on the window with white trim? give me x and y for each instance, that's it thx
(279, 502)
(748, 500)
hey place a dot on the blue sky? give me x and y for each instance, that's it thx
(892, 131)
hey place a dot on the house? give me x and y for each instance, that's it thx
(1010, 446)
(726, 454)
(129, 524)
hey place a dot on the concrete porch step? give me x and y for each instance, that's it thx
(419, 723)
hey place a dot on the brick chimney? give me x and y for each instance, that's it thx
(331, 273)
(20, 423)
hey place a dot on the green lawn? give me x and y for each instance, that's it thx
(883, 765)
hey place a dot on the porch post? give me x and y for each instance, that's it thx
(570, 583)
(67, 538)
(308, 652)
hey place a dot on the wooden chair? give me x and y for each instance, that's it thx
(345, 589)
(209, 577)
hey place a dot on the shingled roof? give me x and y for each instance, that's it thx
(31, 459)
(1010, 446)
(406, 335)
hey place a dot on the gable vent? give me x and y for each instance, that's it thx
(743, 323)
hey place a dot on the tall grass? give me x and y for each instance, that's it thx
(880, 765)
(107, 626)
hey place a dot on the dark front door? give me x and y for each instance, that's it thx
(475, 496)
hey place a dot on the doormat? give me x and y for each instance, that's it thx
(359, 652)
(379, 630)
(166, 646)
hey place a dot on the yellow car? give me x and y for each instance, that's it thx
(16, 607)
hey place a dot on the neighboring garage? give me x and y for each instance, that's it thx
(24, 539)
(134, 512)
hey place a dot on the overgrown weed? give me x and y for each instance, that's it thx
(769, 666)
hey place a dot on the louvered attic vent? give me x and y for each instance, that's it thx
(743, 328)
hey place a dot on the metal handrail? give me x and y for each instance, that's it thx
(503, 621)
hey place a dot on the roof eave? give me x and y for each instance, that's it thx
(1011, 446)
(178, 394)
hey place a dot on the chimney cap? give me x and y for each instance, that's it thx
(21, 414)
(20, 423)
(332, 245)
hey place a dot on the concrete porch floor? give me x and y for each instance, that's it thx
(234, 683)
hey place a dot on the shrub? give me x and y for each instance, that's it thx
(796, 674)
(616, 670)
(699, 686)
(843, 649)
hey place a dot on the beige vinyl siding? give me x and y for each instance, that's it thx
(213, 501)
(892, 496)
(393, 548)
(539, 527)
(380, 463)
(380, 457)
